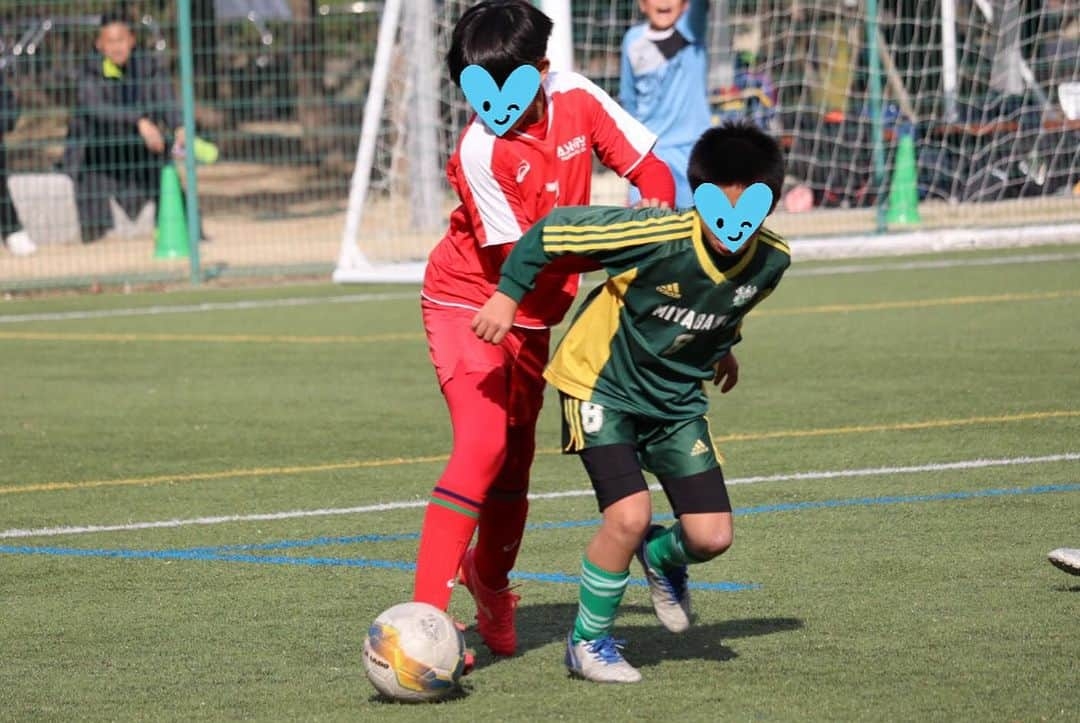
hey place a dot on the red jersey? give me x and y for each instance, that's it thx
(507, 184)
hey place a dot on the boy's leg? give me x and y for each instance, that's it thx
(486, 567)
(623, 498)
(502, 518)
(92, 192)
(685, 459)
(473, 380)
(591, 651)
(700, 537)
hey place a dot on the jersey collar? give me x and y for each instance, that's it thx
(705, 257)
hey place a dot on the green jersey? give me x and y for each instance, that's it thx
(646, 339)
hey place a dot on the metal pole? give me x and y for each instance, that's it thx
(351, 257)
(948, 58)
(877, 131)
(187, 86)
(423, 138)
(561, 44)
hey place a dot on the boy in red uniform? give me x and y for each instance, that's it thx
(494, 393)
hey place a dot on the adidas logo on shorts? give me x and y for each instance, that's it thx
(699, 448)
(671, 290)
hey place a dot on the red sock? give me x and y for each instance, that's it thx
(502, 518)
(478, 415)
(446, 534)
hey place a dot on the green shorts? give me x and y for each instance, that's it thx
(669, 449)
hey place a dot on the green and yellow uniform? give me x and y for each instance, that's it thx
(646, 339)
(633, 364)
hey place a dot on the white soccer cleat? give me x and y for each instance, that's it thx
(20, 244)
(670, 593)
(1065, 559)
(599, 661)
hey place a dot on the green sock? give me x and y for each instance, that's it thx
(599, 596)
(667, 550)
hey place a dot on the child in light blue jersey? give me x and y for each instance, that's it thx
(663, 82)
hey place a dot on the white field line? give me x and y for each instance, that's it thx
(359, 298)
(410, 504)
(929, 264)
(204, 307)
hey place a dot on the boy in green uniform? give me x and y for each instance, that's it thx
(631, 372)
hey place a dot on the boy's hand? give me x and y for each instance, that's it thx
(652, 203)
(151, 135)
(727, 371)
(495, 318)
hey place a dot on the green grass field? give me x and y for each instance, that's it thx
(147, 570)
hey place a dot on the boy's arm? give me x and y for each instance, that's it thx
(625, 146)
(695, 20)
(617, 239)
(161, 96)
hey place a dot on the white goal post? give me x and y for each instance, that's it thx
(409, 52)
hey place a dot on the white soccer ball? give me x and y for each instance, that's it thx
(414, 653)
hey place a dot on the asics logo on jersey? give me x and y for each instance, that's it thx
(573, 147)
(744, 293)
(522, 171)
(671, 290)
(699, 448)
(693, 320)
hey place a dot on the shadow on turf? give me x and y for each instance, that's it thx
(540, 625)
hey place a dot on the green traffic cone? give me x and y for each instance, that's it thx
(903, 191)
(171, 237)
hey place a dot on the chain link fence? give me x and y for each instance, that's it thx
(280, 86)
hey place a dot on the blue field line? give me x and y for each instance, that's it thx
(233, 553)
(315, 542)
(746, 511)
(320, 562)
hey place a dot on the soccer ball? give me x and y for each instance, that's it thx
(413, 652)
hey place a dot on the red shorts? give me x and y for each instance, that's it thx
(522, 355)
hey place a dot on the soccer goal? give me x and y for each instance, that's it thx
(986, 92)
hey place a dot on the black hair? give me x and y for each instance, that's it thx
(114, 16)
(737, 153)
(499, 36)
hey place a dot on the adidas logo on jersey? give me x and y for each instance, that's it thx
(671, 290)
(699, 448)
(744, 293)
(573, 147)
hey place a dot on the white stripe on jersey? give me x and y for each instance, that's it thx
(477, 147)
(640, 138)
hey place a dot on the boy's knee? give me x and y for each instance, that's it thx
(706, 546)
(629, 524)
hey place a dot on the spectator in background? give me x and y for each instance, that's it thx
(118, 137)
(15, 238)
(662, 82)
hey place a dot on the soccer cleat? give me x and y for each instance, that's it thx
(470, 662)
(599, 661)
(1065, 559)
(669, 591)
(494, 609)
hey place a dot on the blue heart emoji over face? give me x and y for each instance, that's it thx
(500, 108)
(733, 226)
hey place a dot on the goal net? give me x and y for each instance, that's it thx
(988, 91)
